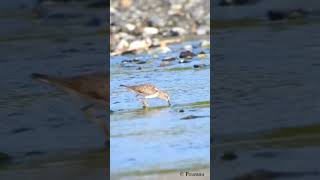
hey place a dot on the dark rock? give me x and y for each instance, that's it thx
(274, 15)
(236, 2)
(229, 156)
(199, 65)
(98, 4)
(184, 61)
(192, 117)
(133, 61)
(165, 63)
(186, 54)
(63, 16)
(33, 153)
(71, 50)
(181, 110)
(20, 130)
(169, 59)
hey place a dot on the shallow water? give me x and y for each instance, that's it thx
(266, 93)
(156, 140)
(40, 123)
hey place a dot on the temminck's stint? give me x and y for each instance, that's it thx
(93, 87)
(148, 91)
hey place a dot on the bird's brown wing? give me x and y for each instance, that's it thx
(94, 85)
(145, 89)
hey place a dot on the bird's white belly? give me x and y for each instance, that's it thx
(153, 95)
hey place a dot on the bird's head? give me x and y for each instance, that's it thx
(165, 96)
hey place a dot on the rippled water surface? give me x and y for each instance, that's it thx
(266, 90)
(42, 128)
(156, 139)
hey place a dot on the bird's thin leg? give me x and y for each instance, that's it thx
(144, 103)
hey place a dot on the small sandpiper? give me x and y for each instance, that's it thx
(148, 91)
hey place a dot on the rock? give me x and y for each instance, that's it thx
(186, 54)
(201, 55)
(133, 61)
(21, 130)
(130, 27)
(140, 44)
(205, 44)
(125, 4)
(199, 65)
(33, 153)
(150, 31)
(203, 30)
(123, 44)
(165, 63)
(98, 4)
(236, 2)
(188, 47)
(181, 110)
(178, 31)
(275, 15)
(229, 156)
(184, 61)
(192, 117)
(169, 59)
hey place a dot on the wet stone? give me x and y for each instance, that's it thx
(237, 2)
(98, 4)
(165, 63)
(276, 15)
(20, 130)
(168, 59)
(190, 117)
(229, 156)
(199, 66)
(33, 153)
(184, 61)
(186, 54)
(71, 50)
(134, 61)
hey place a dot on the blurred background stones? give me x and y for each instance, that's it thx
(136, 23)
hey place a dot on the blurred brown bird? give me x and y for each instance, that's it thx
(92, 87)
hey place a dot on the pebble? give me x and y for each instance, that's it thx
(130, 27)
(229, 156)
(186, 54)
(169, 59)
(165, 63)
(205, 44)
(188, 47)
(199, 65)
(201, 55)
(178, 31)
(150, 31)
(140, 44)
(184, 61)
